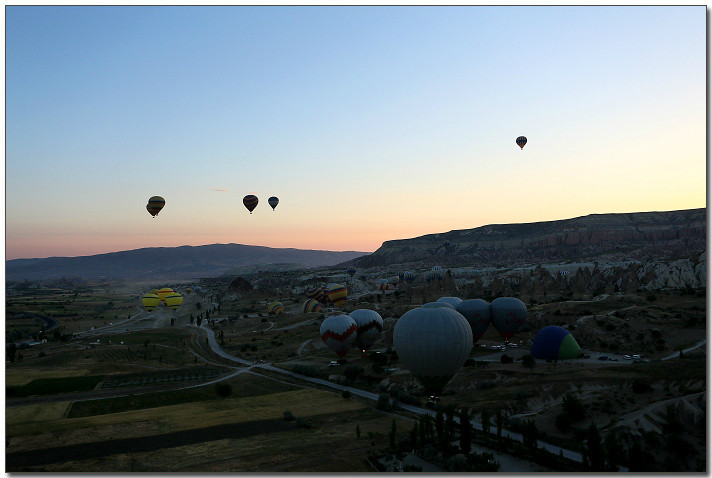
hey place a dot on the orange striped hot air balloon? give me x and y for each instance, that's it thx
(275, 308)
(163, 292)
(155, 204)
(311, 305)
(337, 294)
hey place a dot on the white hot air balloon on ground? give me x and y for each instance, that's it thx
(433, 343)
(508, 315)
(450, 300)
(438, 304)
(338, 332)
(370, 325)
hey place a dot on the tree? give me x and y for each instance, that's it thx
(12, 351)
(486, 415)
(414, 435)
(594, 449)
(358, 432)
(465, 432)
(528, 361)
(573, 407)
(530, 434)
(613, 451)
(392, 436)
(499, 420)
(439, 425)
(352, 372)
(223, 389)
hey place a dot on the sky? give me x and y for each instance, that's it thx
(368, 123)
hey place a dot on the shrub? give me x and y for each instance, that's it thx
(289, 416)
(346, 394)
(506, 359)
(223, 389)
(528, 361)
(307, 370)
(301, 423)
(640, 386)
(353, 372)
(384, 402)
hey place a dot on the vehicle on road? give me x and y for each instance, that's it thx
(627, 357)
(333, 363)
(602, 357)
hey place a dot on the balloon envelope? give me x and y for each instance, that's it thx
(508, 315)
(477, 313)
(250, 201)
(162, 293)
(554, 343)
(409, 276)
(521, 141)
(438, 304)
(150, 301)
(351, 271)
(155, 204)
(273, 201)
(174, 300)
(275, 308)
(370, 325)
(432, 343)
(337, 294)
(311, 305)
(338, 332)
(450, 300)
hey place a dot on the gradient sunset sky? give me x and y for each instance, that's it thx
(368, 123)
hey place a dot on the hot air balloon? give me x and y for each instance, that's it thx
(188, 290)
(521, 141)
(275, 308)
(337, 294)
(409, 276)
(250, 201)
(273, 201)
(173, 300)
(155, 204)
(477, 313)
(197, 289)
(370, 325)
(311, 305)
(438, 304)
(554, 343)
(338, 332)
(163, 292)
(450, 300)
(351, 271)
(508, 314)
(432, 343)
(318, 294)
(150, 301)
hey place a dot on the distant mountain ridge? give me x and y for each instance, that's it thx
(639, 236)
(171, 262)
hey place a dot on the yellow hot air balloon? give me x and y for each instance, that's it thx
(337, 294)
(163, 292)
(150, 301)
(174, 300)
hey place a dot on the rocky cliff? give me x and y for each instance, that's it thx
(643, 236)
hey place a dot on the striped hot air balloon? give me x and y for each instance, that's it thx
(337, 294)
(150, 301)
(370, 325)
(250, 201)
(163, 292)
(155, 204)
(477, 313)
(174, 300)
(275, 308)
(409, 276)
(338, 332)
(521, 141)
(310, 306)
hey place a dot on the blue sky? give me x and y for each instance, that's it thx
(369, 123)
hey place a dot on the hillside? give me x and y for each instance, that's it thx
(170, 262)
(640, 236)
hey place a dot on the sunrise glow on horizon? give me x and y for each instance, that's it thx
(369, 123)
